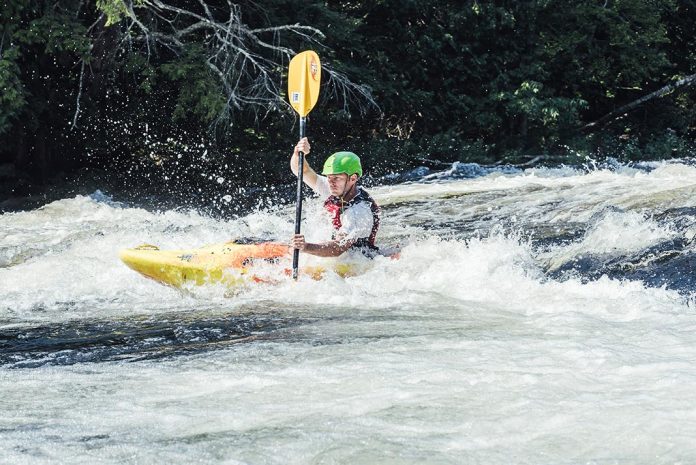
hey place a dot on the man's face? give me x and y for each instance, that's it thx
(340, 183)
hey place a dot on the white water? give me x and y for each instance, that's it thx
(462, 351)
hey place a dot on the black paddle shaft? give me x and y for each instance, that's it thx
(298, 208)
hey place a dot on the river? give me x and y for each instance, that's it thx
(538, 316)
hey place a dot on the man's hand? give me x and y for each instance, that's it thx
(323, 249)
(302, 146)
(298, 242)
(309, 175)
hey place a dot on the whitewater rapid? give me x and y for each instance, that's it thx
(535, 316)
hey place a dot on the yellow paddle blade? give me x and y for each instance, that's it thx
(304, 77)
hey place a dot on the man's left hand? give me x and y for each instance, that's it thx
(298, 242)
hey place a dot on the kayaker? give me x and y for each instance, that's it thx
(354, 214)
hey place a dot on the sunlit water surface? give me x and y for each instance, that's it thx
(538, 316)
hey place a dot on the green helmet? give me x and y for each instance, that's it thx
(343, 162)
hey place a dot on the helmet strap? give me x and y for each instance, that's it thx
(348, 190)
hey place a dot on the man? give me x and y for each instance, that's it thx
(354, 214)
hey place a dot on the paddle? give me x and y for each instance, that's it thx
(304, 77)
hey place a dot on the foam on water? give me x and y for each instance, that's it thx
(613, 234)
(575, 193)
(61, 261)
(465, 349)
(482, 362)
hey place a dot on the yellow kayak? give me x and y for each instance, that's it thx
(228, 263)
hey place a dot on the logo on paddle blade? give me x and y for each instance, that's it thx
(295, 97)
(313, 68)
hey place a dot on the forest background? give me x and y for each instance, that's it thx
(186, 99)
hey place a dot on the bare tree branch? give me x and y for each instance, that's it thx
(687, 81)
(248, 66)
(79, 95)
(347, 91)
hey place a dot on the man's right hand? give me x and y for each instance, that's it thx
(302, 146)
(309, 176)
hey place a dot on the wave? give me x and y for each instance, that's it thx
(498, 239)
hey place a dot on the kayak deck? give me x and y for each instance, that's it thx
(229, 263)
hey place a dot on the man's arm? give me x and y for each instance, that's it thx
(323, 249)
(309, 176)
